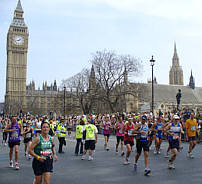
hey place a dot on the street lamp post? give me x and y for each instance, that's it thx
(64, 100)
(152, 61)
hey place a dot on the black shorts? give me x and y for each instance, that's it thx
(119, 138)
(107, 135)
(69, 129)
(142, 145)
(192, 138)
(12, 144)
(174, 144)
(129, 142)
(42, 167)
(90, 145)
(26, 140)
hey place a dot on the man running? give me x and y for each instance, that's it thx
(142, 143)
(158, 129)
(174, 130)
(14, 129)
(191, 129)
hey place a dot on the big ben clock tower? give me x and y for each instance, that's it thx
(17, 47)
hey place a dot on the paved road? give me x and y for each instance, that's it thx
(106, 168)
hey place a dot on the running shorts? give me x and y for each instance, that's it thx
(119, 138)
(42, 167)
(142, 145)
(12, 144)
(90, 145)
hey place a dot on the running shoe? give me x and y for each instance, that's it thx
(90, 158)
(190, 155)
(122, 154)
(158, 152)
(30, 157)
(147, 172)
(155, 152)
(166, 156)
(126, 162)
(11, 164)
(17, 166)
(171, 165)
(135, 167)
(83, 157)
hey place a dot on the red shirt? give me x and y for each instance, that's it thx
(126, 137)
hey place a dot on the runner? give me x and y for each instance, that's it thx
(42, 149)
(174, 130)
(128, 138)
(142, 143)
(14, 130)
(191, 129)
(158, 129)
(28, 134)
(5, 134)
(90, 141)
(106, 130)
(119, 134)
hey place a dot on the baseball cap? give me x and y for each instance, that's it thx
(144, 117)
(176, 116)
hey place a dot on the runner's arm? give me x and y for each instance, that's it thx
(32, 146)
(7, 128)
(53, 150)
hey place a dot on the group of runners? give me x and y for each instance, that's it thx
(139, 129)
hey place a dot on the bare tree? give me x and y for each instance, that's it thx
(112, 71)
(79, 83)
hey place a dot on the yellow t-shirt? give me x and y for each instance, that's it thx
(191, 126)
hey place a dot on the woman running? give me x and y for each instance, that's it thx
(43, 151)
(28, 134)
(120, 134)
(106, 129)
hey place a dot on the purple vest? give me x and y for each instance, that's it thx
(15, 135)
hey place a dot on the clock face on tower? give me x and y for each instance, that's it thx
(18, 40)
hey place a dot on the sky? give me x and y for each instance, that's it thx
(63, 35)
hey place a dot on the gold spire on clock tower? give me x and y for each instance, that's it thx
(17, 48)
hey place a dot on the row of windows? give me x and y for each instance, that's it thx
(19, 30)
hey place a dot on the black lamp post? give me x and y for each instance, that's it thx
(64, 100)
(152, 61)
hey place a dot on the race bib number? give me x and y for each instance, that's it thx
(28, 135)
(193, 128)
(175, 136)
(130, 133)
(159, 127)
(14, 134)
(46, 153)
(120, 131)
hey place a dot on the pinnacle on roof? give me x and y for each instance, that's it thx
(175, 50)
(19, 7)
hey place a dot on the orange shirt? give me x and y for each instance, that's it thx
(191, 126)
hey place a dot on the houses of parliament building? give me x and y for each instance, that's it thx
(51, 99)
